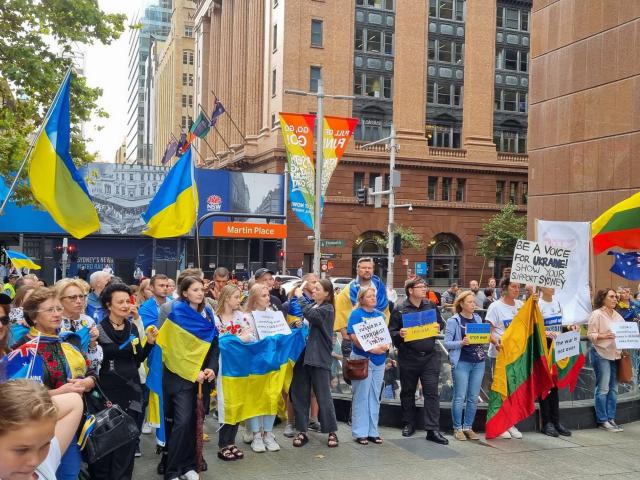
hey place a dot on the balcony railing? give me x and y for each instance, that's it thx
(447, 152)
(513, 157)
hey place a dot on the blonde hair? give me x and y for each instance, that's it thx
(457, 303)
(65, 283)
(22, 401)
(361, 295)
(254, 293)
(225, 294)
(144, 283)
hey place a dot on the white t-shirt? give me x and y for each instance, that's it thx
(47, 469)
(499, 314)
(552, 314)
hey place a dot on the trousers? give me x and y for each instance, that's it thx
(118, 465)
(179, 406)
(227, 435)
(426, 369)
(366, 401)
(550, 408)
(305, 377)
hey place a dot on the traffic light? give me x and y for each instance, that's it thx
(281, 254)
(72, 251)
(397, 244)
(361, 195)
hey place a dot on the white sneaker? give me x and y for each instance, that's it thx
(505, 435)
(608, 427)
(616, 426)
(289, 431)
(257, 445)
(247, 436)
(270, 443)
(191, 475)
(514, 432)
(146, 428)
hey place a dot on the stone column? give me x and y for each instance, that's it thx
(479, 78)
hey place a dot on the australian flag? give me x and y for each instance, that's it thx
(218, 109)
(627, 265)
(23, 362)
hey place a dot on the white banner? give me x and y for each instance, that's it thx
(574, 297)
(627, 335)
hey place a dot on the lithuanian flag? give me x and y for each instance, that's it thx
(618, 227)
(567, 370)
(522, 372)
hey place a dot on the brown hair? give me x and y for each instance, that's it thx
(327, 286)
(253, 295)
(144, 283)
(32, 304)
(598, 301)
(225, 294)
(22, 401)
(362, 293)
(184, 286)
(21, 293)
(457, 303)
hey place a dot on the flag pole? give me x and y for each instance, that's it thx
(204, 138)
(196, 150)
(231, 119)
(33, 143)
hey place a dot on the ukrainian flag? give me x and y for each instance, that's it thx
(185, 338)
(173, 210)
(155, 410)
(55, 181)
(254, 375)
(20, 260)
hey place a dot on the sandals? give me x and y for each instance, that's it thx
(332, 441)
(376, 440)
(239, 454)
(300, 440)
(226, 454)
(362, 440)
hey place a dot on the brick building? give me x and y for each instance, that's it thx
(452, 77)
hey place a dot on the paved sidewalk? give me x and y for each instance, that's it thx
(588, 454)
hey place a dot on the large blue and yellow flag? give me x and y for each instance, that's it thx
(173, 210)
(185, 338)
(253, 375)
(55, 181)
(155, 410)
(20, 260)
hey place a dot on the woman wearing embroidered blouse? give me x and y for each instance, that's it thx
(366, 392)
(313, 368)
(230, 320)
(603, 356)
(467, 363)
(262, 426)
(119, 379)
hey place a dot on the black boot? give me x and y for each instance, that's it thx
(163, 464)
(562, 430)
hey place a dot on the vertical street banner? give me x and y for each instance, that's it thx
(336, 133)
(297, 133)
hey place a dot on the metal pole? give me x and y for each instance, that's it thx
(318, 189)
(286, 199)
(391, 228)
(65, 256)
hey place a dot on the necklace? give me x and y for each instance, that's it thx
(116, 325)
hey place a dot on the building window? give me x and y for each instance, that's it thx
(184, 57)
(525, 193)
(358, 182)
(446, 189)
(444, 94)
(184, 101)
(184, 79)
(188, 31)
(377, 4)
(512, 19)
(460, 185)
(190, 101)
(432, 187)
(443, 136)
(315, 74)
(445, 9)
(513, 190)
(359, 42)
(183, 123)
(275, 37)
(316, 33)
(524, 20)
(374, 41)
(273, 82)
(191, 79)
(510, 141)
(500, 191)
(510, 59)
(189, 121)
(510, 101)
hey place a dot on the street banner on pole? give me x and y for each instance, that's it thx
(336, 134)
(297, 133)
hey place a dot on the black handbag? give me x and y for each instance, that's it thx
(106, 431)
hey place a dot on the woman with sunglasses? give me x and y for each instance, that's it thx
(72, 296)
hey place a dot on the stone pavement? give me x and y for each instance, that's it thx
(588, 454)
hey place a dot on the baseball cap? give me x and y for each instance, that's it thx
(262, 271)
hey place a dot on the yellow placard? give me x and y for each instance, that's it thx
(422, 331)
(478, 338)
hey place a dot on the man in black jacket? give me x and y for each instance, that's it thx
(418, 360)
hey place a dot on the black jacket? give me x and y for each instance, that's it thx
(395, 324)
(319, 343)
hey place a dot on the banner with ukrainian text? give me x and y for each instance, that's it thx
(297, 133)
(336, 133)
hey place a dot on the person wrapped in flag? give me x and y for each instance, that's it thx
(188, 339)
(64, 367)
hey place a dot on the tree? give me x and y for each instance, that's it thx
(501, 233)
(37, 41)
(410, 239)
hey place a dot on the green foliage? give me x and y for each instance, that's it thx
(410, 239)
(37, 41)
(501, 233)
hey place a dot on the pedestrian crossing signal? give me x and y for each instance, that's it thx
(361, 195)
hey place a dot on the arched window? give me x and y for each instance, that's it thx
(371, 244)
(443, 257)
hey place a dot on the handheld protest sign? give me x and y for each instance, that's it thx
(420, 325)
(539, 264)
(270, 323)
(372, 332)
(478, 333)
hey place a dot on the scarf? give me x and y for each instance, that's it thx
(62, 359)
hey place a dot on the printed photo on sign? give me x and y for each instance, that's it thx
(627, 335)
(540, 264)
(270, 323)
(420, 325)
(372, 332)
(567, 345)
(478, 333)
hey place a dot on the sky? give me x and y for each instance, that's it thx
(106, 67)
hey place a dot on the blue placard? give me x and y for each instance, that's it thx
(553, 321)
(418, 318)
(478, 328)
(421, 268)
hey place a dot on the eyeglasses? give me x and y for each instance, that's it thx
(73, 298)
(52, 310)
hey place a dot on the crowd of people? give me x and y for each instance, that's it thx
(94, 338)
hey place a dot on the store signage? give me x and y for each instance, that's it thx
(249, 230)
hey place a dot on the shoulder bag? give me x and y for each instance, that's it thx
(625, 372)
(356, 369)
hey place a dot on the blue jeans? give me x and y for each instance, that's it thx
(606, 395)
(263, 422)
(366, 401)
(467, 379)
